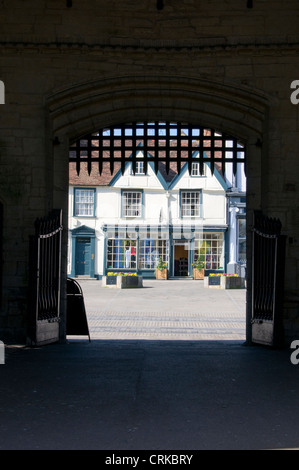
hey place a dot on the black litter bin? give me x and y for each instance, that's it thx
(76, 320)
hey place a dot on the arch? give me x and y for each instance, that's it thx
(226, 106)
(80, 109)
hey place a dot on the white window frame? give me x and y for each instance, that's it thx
(240, 238)
(148, 260)
(123, 251)
(139, 168)
(187, 205)
(211, 246)
(195, 170)
(84, 202)
(132, 202)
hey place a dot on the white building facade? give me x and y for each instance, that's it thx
(130, 221)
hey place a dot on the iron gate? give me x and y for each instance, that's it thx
(268, 256)
(44, 282)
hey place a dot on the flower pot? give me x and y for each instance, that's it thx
(122, 282)
(161, 273)
(225, 282)
(198, 273)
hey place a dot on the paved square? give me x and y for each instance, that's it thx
(164, 310)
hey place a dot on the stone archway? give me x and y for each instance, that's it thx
(241, 112)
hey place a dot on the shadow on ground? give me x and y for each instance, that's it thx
(148, 395)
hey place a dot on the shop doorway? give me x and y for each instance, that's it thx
(181, 259)
(83, 256)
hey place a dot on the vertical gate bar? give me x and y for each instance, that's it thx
(38, 252)
(89, 151)
(52, 288)
(212, 150)
(179, 142)
(111, 150)
(276, 273)
(123, 151)
(235, 156)
(157, 147)
(190, 150)
(134, 150)
(100, 151)
(59, 261)
(253, 293)
(167, 148)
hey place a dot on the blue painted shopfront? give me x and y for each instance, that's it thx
(176, 244)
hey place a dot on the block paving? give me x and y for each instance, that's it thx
(164, 310)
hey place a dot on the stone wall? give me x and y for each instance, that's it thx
(69, 70)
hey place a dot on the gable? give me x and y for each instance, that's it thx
(150, 180)
(213, 181)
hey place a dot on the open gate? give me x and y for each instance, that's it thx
(44, 283)
(268, 259)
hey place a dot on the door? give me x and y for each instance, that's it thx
(83, 256)
(181, 259)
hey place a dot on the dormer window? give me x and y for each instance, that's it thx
(139, 169)
(195, 170)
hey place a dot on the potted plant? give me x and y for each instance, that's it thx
(199, 268)
(122, 280)
(161, 269)
(225, 281)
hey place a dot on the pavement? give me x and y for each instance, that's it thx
(172, 395)
(161, 310)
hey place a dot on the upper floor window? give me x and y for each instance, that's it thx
(84, 202)
(139, 170)
(190, 204)
(132, 204)
(195, 169)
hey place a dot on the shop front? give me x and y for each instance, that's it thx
(139, 249)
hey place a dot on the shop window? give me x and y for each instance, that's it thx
(242, 240)
(150, 251)
(121, 254)
(210, 247)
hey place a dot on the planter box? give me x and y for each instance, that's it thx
(224, 282)
(198, 273)
(161, 274)
(122, 282)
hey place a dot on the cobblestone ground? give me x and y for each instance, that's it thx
(173, 309)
